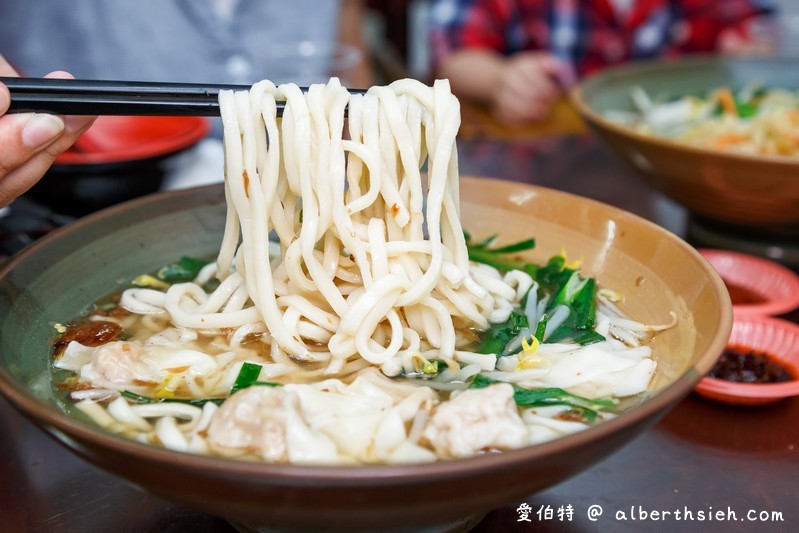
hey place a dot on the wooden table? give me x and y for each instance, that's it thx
(702, 458)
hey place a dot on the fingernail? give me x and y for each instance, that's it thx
(75, 123)
(4, 99)
(41, 129)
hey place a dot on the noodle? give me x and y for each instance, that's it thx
(358, 210)
(368, 278)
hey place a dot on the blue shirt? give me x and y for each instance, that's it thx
(159, 40)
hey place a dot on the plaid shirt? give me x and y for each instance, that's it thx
(588, 34)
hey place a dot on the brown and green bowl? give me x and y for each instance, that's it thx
(751, 191)
(60, 275)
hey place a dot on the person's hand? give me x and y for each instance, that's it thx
(29, 142)
(527, 87)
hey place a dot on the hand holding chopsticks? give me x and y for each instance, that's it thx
(58, 96)
(81, 97)
(91, 97)
(30, 143)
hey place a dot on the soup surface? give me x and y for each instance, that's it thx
(221, 392)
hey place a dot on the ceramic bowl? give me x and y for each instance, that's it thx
(752, 191)
(757, 286)
(774, 336)
(64, 272)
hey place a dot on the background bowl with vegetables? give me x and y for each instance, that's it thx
(747, 189)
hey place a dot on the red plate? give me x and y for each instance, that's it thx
(773, 336)
(116, 139)
(776, 287)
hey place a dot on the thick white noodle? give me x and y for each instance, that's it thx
(357, 272)
(371, 272)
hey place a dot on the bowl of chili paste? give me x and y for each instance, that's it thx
(759, 365)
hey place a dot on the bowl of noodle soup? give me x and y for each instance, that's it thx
(751, 187)
(63, 275)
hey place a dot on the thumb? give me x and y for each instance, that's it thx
(5, 68)
(5, 96)
(5, 99)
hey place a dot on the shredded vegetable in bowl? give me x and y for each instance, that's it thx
(751, 121)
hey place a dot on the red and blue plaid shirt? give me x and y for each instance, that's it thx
(588, 34)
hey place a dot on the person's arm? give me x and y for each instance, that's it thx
(351, 32)
(518, 88)
(470, 47)
(30, 142)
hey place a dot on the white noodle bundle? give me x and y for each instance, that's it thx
(357, 275)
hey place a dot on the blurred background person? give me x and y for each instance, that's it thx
(518, 56)
(201, 41)
(213, 41)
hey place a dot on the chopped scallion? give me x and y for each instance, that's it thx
(248, 376)
(525, 397)
(184, 270)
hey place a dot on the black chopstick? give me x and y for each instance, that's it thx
(104, 97)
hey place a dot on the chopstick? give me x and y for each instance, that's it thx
(104, 97)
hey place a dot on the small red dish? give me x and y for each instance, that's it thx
(776, 337)
(114, 139)
(757, 286)
(117, 159)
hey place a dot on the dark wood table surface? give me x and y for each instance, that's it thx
(700, 459)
